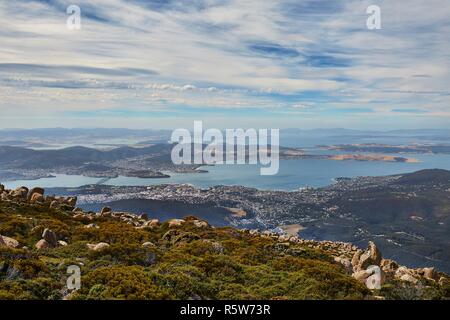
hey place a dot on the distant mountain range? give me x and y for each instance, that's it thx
(52, 133)
(23, 158)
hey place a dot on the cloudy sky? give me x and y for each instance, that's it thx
(247, 63)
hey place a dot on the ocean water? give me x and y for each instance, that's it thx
(292, 175)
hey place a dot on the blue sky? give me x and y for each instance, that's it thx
(253, 63)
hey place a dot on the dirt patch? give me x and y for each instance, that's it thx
(292, 229)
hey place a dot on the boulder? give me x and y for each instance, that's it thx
(5, 196)
(71, 201)
(355, 259)
(443, 281)
(362, 275)
(105, 211)
(401, 271)
(42, 244)
(49, 236)
(143, 216)
(37, 197)
(148, 244)
(2, 188)
(98, 246)
(8, 242)
(77, 210)
(429, 273)
(62, 243)
(200, 224)
(20, 193)
(409, 278)
(388, 265)
(91, 226)
(54, 204)
(175, 223)
(406, 274)
(370, 257)
(35, 190)
(151, 223)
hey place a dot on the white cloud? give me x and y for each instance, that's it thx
(233, 54)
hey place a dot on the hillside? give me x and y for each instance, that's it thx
(426, 177)
(123, 256)
(23, 158)
(408, 214)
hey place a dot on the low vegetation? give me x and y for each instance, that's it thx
(187, 261)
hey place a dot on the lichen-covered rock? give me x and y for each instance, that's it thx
(370, 257)
(407, 274)
(5, 196)
(35, 190)
(143, 216)
(42, 244)
(62, 243)
(388, 265)
(54, 205)
(8, 242)
(20, 193)
(97, 246)
(362, 275)
(355, 259)
(91, 226)
(409, 278)
(151, 223)
(49, 236)
(429, 273)
(106, 211)
(37, 197)
(148, 244)
(77, 210)
(175, 223)
(200, 224)
(71, 201)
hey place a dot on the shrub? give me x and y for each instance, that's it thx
(121, 282)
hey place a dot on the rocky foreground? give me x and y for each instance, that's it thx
(126, 256)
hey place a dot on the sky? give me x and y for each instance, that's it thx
(248, 63)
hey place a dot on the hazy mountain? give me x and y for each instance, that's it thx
(22, 158)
